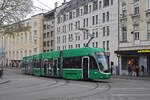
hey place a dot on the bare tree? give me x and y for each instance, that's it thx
(14, 10)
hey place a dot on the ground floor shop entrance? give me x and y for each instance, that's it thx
(139, 57)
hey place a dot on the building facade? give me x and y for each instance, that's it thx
(49, 31)
(134, 34)
(98, 16)
(24, 43)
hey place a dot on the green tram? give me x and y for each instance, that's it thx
(81, 63)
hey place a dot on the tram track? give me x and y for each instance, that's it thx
(91, 92)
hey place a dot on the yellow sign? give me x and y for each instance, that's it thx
(144, 51)
(118, 55)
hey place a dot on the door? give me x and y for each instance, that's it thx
(55, 67)
(85, 67)
(148, 65)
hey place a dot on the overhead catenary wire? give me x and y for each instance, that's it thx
(44, 4)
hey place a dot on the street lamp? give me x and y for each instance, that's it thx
(91, 36)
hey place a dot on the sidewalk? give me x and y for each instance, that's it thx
(145, 78)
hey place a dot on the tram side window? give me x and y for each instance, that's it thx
(72, 62)
(93, 64)
(47, 63)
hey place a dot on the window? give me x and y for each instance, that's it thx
(83, 22)
(107, 45)
(136, 10)
(35, 24)
(112, 2)
(52, 42)
(95, 5)
(104, 45)
(96, 19)
(48, 42)
(70, 15)
(96, 44)
(77, 12)
(93, 44)
(27, 24)
(100, 4)
(74, 14)
(58, 20)
(96, 34)
(136, 32)
(81, 12)
(90, 8)
(48, 34)
(108, 30)
(103, 31)
(86, 9)
(72, 62)
(124, 34)
(107, 16)
(35, 32)
(30, 52)
(93, 64)
(35, 50)
(64, 17)
(35, 42)
(148, 31)
(87, 22)
(93, 19)
(52, 33)
(148, 4)
(124, 10)
(103, 17)
(78, 24)
(105, 3)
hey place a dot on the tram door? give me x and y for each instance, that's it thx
(55, 66)
(85, 67)
(44, 67)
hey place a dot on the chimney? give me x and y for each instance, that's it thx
(64, 2)
(56, 4)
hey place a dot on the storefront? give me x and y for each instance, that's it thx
(140, 57)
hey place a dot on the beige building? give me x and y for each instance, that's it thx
(49, 31)
(134, 34)
(25, 43)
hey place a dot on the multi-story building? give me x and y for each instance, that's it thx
(2, 49)
(134, 34)
(100, 17)
(49, 31)
(25, 42)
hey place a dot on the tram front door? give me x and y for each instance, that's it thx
(55, 67)
(85, 67)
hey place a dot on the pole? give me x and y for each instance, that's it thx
(91, 36)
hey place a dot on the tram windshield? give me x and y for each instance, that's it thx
(101, 59)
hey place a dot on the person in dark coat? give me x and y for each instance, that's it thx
(142, 70)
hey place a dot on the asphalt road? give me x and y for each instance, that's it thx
(25, 87)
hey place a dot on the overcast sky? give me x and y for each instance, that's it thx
(45, 4)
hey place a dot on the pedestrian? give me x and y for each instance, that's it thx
(137, 70)
(142, 70)
(134, 70)
(129, 70)
(111, 70)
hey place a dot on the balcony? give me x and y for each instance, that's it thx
(147, 12)
(135, 15)
(123, 18)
